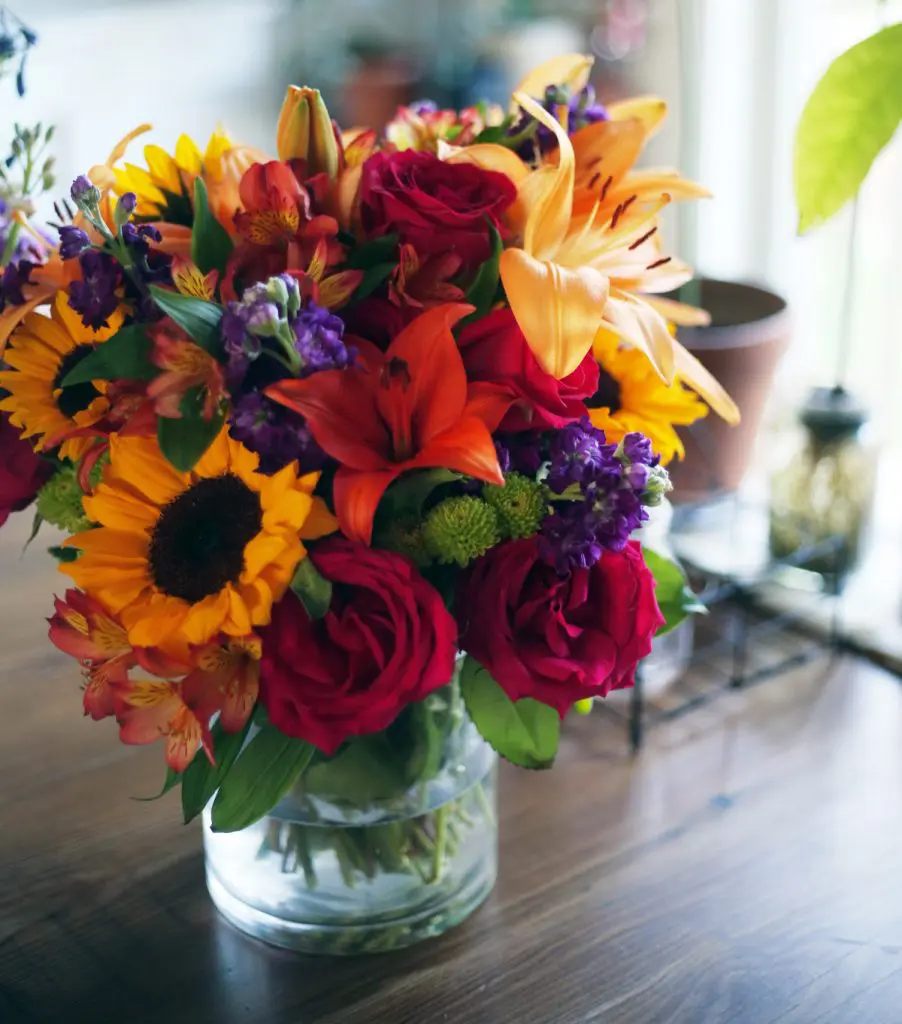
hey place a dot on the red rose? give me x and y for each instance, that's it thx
(494, 350)
(22, 471)
(558, 639)
(386, 640)
(435, 206)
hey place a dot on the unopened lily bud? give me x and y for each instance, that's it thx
(305, 132)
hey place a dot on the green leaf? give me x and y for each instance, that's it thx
(675, 598)
(850, 116)
(525, 732)
(372, 278)
(379, 250)
(64, 554)
(314, 590)
(202, 779)
(210, 242)
(184, 441)
(265, 771)
(427, 739)
(173, 778)
(198, 318)
(35, 526)
(411, 492)
(125, 356)
(481, 292)
(365, 769)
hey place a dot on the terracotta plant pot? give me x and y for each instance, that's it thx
(749, 332)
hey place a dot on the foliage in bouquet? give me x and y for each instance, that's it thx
(331, 430)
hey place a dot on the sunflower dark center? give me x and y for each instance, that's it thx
(77, 397)
(608, 394)
(197, 546)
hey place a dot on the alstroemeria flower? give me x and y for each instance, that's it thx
(189, 280)
(407, 408)
(230, 669)
(422, 283)
(185, 365)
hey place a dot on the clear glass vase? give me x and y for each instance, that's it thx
(391, 841)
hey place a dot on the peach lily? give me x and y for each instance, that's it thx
(408, 408)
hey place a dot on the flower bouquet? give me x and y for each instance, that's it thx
(351, 446)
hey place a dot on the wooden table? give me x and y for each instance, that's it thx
(746, 868)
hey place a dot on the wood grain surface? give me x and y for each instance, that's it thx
(746, 867)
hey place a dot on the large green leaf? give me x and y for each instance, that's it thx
(675, 599)
(525, 732)
(201, 779)
(210, 242)
(184, 441)
(848, 119)
(125, 356)
(377, 250)
(198, 318)
(263, 773)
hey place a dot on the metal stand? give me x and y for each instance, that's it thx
(746, 621)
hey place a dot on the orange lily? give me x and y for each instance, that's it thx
(408, 408)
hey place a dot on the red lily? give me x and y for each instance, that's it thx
(404, 409)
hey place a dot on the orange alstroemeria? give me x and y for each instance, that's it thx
(180, 713)
(230, 670)
(330, 291)
(405, 409)
(424, 283)
(185, 365)
(190, 280)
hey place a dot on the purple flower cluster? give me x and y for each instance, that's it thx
(609, 486)
(277, 434)
(270, 335)
(582, 109)
(13, 280)
(94, 297)
(520, 453)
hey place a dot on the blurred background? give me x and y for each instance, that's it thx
(735, 75)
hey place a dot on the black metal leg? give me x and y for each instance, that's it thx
(637, 713)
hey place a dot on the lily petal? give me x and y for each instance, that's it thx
(357, 495)
(558, 308)
(569, 69)
(650, 110)
(643, 327)
(701, 381)
(466, 448)
(607, 149)
(548, 192)
(679, 312)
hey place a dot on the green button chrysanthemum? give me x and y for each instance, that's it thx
(461, 529)
(59, 501)
(521, 505)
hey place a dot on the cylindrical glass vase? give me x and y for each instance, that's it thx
(392, 841)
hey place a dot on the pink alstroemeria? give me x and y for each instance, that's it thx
(185, 366)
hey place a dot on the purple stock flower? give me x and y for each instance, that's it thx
(94, 297)
(520, 453)
(14, 278)
(582, 109)
(636, 447)
(81, 187)
(319, 340)
(73, 241)
(569, 540)
(278, 435)
(579, 455)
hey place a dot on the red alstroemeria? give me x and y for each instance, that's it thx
(424, 283)
(331, 291)
(407, 408)
(185, 365)
(151, 709)
(280, 227)
(230, 672)
(82, 628)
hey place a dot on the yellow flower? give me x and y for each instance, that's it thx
(182, 557)
(41, 353)
(631, 396)
(165, 188)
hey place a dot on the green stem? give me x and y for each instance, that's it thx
(484, 804)
(11, 241)
(441, 841)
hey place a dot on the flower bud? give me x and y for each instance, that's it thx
(125, 207)
(658, 486)
(305, 132)
(84, 194)
(73, 242)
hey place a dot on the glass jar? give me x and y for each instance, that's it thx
(391, 841)
(824, 487)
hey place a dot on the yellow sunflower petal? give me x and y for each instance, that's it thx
(188, 156)
(559, 309)
(163, 168)
(139, 463)
(319, 523)
(207, 617)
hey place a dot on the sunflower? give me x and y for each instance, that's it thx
(182, 557)
(165, 188)
(632, 396)
(42, 352)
